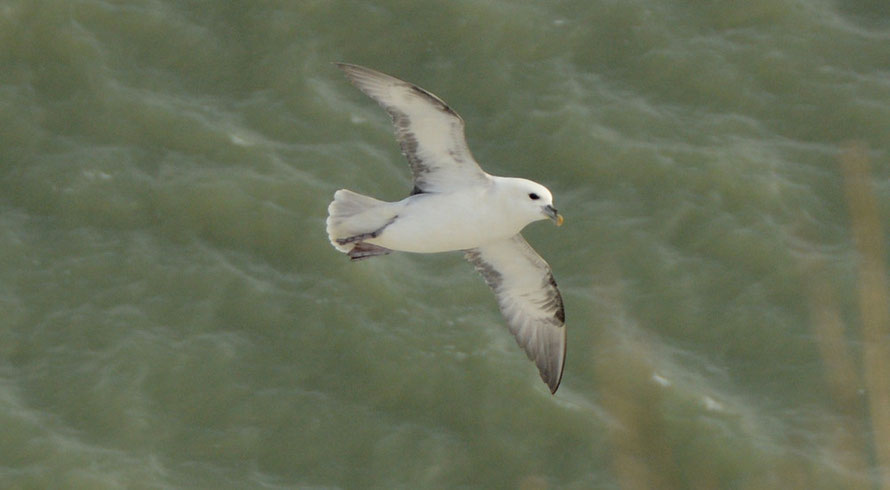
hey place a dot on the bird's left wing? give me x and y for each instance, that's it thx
(430, 133)
(529, 300)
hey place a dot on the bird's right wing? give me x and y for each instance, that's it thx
(430, 133)
(529, 300)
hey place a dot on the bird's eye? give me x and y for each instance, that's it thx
(534, 197)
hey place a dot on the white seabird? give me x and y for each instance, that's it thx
(455, 205)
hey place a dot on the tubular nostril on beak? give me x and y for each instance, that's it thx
(553, 214)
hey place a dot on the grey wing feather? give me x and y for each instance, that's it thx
(430, 133)
(529, 300)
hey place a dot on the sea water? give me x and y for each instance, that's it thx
(173, 316)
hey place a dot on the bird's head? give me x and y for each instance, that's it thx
(533, 200)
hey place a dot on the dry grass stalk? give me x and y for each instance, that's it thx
(874, 299)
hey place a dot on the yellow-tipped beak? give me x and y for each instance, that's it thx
(559, 220)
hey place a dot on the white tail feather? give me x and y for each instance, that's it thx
(351, 214)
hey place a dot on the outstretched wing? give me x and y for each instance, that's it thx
(430, 133)
(528, 299)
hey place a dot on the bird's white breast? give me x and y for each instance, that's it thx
(429, 223)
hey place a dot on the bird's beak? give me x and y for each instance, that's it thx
(551, 213)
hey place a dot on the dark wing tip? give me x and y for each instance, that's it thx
(557, 364)
(353, 72)
(554, 383)
(344, 66)
(552, 367)
(553, 386)
(350, 67)
(356, 72)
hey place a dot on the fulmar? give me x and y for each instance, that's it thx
(456, 206)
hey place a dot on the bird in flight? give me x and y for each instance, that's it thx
(456, 206)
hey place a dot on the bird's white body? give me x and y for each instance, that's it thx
(466, 218)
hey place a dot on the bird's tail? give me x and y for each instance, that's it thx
(351, 215)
